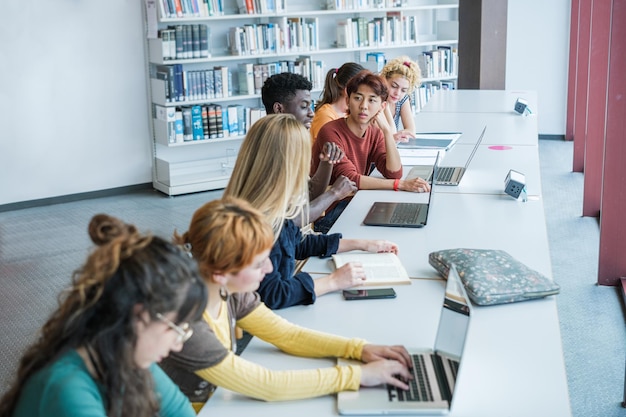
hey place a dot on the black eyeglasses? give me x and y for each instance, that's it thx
(184, 331)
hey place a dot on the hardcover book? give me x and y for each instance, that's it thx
(380, 268)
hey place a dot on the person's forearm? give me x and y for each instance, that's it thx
(320, 180)
(346, 245)
(393, 162)
(373, 183)
(320, 204)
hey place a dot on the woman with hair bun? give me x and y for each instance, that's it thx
(128, 306)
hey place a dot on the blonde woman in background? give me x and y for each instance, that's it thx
(402, 76)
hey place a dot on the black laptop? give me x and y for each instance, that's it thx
(401, 214)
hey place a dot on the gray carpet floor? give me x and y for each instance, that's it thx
(41, 246)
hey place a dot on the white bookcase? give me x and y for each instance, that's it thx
(201, 165)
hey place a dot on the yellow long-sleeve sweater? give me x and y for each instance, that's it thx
(221, 367)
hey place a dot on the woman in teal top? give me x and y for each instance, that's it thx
(126, 309)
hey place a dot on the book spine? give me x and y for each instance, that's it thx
(205, 35)
(195, 41)
(212, 121)
(180, 45)
(187, 124)
(196, 123)
(179, 126)
(219, 122)
(205, 122)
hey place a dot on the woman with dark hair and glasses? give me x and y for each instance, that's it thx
(128, 306)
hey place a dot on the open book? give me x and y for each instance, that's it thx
(380, 268)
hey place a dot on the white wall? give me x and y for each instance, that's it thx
(73, 106)
(537, 56)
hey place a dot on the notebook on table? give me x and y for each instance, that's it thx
(435, 370)
(445, 175)
(400, 214)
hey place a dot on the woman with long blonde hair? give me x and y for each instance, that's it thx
(271, 174)
(231, 241)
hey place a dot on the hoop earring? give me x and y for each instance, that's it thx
(224, 295)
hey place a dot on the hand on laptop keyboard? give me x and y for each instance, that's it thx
(385, 372)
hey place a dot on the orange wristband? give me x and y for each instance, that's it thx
(395, 184)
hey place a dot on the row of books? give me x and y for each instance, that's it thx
(191, 85)
(363, 4)
(181, 85)
(205, 122)
(186, 41)
(260, 6)
(283, 34)
(393, 29)
(251, 77)
(421, 95)
(190, 8)
(439, 62)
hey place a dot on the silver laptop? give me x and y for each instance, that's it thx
(435, 370)
(397, 214)
(445, 175)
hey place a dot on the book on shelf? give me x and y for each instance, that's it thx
(179, 126)
(380, 268)
(233, 119)
(179, 38)
(187, 124)
(205, 122)
(205, 41)
(245, 73)
(219, 116)
(179, 86)
(166, 73)
(225, 121)
(167, 115)
(375, 61)
(212, 114)
(209, 80)
(195, 41)
(196, 123)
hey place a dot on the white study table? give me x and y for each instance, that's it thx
(479, 101)
(502, 129)
(490, 166)
(502, 374)
(456, 221)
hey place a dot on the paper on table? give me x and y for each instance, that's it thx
(431, 141)
(412, 156)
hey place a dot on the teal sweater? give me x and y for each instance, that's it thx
(65, 388)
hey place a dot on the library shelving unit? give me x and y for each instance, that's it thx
(306, 36)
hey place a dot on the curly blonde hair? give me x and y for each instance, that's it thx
(405, 67)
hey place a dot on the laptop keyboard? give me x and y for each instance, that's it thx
(445, 173)
(419, 386)
(405, 214)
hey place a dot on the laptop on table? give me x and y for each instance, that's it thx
(445, 175)
(397, 214)
(435, 370)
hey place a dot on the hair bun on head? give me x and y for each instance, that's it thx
(104, 228)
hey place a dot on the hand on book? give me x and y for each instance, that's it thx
(349, 275)
(380, 246)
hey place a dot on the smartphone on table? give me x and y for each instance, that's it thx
(369, 294)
